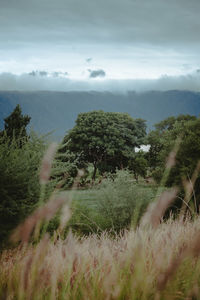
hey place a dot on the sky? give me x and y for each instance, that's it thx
(104, 44)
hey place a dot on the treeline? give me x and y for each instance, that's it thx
(100, 144)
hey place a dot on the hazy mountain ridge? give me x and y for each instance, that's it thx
(58, 110)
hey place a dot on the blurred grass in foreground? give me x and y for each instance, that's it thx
(159, 262)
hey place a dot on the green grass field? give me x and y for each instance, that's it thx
(112, 206)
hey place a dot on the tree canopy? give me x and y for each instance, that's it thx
(162, 141)
(15, 124)
(19, 181)
(105, 139)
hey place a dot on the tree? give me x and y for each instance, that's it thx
(138, 164)
(166, 132)
(64, 170)
(15, 124)
(19, 181)
(105, 139)
(187, 128)
(169, 123)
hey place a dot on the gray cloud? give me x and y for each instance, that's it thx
(45, 73)
(25, 82)
(62, 22)
(33, 73)
(59, 74)
(38, 73)
(89, 59)
(97, 73)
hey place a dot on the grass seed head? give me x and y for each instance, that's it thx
(156, 210)
(47, 161)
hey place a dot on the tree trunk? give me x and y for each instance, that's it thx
(94, 172)
(136, 176)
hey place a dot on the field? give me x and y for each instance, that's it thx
(153, 261)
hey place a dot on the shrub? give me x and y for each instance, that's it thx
(113, 206)
(19, 184)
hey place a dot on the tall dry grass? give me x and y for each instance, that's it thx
(149, 263)
(158, 260)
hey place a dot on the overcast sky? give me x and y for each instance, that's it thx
(91, 43)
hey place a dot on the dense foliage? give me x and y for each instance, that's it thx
(138, 164)
(113, 206)
(15, 125)
(179, 136)
(19, 183)
(20, 158)
(107, 140)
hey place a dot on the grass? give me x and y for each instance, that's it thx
(90, 196)
(147, 263)
(112, 206)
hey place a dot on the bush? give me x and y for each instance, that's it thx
(114, 206)
(19, 184)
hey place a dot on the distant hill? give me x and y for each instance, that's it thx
(58, 110)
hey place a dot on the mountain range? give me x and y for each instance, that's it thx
(57, 111)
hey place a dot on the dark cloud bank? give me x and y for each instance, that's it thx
(129, 21)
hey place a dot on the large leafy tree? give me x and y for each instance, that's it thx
(105, 139)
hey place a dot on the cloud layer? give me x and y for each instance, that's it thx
(27, 82)
(133, 21)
